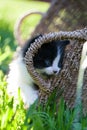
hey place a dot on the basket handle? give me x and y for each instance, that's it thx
(17, 31)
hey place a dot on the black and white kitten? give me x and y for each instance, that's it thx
(48, 61)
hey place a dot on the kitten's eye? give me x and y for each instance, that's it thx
(48, 63)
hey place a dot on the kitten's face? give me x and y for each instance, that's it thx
(44, 59)
(49, 58)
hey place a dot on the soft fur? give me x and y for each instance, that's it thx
(47, 61)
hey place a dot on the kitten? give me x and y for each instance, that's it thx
(48, 61)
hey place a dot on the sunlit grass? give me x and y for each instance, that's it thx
(11, 116)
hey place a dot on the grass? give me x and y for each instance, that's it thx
(13, 116)
(16, 117)
(36, 118)
(10, 115)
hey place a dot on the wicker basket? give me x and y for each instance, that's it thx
(67, 79)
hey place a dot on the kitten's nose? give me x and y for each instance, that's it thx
(55, 72)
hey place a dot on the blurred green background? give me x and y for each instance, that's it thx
(10, 11)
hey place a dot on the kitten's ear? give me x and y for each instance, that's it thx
(62, 45)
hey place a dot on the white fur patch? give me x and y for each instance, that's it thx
(19, 78)
(55, 63)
